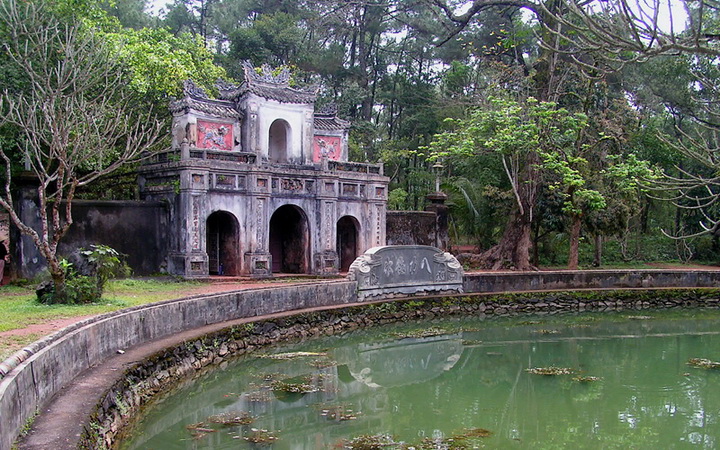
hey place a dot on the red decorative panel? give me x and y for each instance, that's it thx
(329, 146)
(216, 136)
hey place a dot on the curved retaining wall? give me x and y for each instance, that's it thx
(61, 357)
(46, 367)
(160, 372)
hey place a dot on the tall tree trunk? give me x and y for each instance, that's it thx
(597, 262)
(513, 250)
(536, 243)
(575, 228)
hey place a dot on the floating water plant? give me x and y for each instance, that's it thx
(292, 355)
(338, 413)
(703, 363)
(371, 442)
(292, 389)
(232, 418)
(552, 370)
(260, 436)
(544, 331)
(639, 317)
(199, 430)
(465, 439)
(586, 379)
(422, 333)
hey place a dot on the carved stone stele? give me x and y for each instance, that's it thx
(395, 270)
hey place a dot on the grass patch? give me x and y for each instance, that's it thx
(19, 307)
(11, 344)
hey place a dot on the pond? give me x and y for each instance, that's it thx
(620, 380)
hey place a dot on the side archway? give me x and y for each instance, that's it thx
(222, 244)
(289, 240)
(278, 141)
(348, 231)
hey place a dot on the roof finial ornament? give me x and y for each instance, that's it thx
(190, 89)
(265, 74)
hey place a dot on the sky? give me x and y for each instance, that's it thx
(154, 6)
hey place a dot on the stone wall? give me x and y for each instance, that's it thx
(588, 279)
(34, 375)
(410, 227)
(137, 229)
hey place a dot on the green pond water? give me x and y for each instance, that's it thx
(427, 384)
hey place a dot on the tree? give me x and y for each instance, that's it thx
(539, 145)
(75, 119)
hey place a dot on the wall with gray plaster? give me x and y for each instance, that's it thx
(410, 228)
(136, 229)
(589, 279)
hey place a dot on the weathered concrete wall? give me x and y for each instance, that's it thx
(410, 227)
(588, 279)
(52, 363)
(137, 229)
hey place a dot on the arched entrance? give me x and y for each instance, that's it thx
(278, 141)
(222, 244)
(347, 241)
(289, 240)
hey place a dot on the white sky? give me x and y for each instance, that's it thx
(154, 6)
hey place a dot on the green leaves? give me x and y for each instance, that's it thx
(159, 62)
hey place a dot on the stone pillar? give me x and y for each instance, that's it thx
(438, 206)
(258, 261)
(326, 261)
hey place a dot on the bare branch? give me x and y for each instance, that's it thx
(76, 119)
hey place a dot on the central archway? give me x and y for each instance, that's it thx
(222, 244)
(347, 241)
(289, 240)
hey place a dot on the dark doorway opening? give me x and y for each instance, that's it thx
(222, 244)
(289, 243)
(347, 241)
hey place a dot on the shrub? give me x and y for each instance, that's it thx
(86, 272)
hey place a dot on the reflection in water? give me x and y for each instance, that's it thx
(473, 375)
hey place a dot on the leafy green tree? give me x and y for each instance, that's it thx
(158, 62)
(76, 119)
(130, 13)
(274, 39)
(538, 144)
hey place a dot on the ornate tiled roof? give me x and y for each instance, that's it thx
(268, 86)
(330, 123)
(195, 98)
(327, 119)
